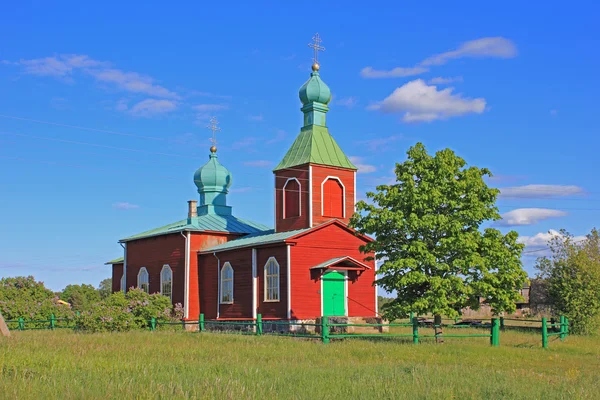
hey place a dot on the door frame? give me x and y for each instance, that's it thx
(345, 273)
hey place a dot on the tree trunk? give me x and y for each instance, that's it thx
(3, 327)
(437, 327)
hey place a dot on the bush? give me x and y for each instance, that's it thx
(123, 312)
(24, 297)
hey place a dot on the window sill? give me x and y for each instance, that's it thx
(229, 302)
(271, 301)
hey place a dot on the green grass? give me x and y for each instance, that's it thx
(163, 364)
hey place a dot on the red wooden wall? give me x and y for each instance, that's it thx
(200, 241)
(117, 274)
(272, 309)
(153, 253)
(346, 176)
(316, 247)
(281, 177)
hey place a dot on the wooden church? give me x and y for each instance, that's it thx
(226, 267)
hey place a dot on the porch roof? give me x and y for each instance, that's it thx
(344, 263)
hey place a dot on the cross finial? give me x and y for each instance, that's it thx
(214, 127)
(316, 46)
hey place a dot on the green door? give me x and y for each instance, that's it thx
(334, 301)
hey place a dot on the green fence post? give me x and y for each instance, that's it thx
(562, 328)
(259, 324)
(495, 337)
(325, 329)
(201, 322)
(52, 321)
(415, 326)
(544, 333)
(153, 324)
(21, 324)
(412, 315)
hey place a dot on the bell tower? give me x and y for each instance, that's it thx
(315, 181)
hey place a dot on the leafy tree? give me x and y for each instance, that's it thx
(573, 277)
(427, 229)
(81, 297)
(24, 297)
(105, 288)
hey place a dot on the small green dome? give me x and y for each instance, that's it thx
(212, 176)
(315, 90)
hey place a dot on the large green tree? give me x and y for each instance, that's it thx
(105, 288)
(81, 297)
(427, 233)
(573, 276)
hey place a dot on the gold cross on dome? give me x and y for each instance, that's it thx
(214, 127)
(316, 45)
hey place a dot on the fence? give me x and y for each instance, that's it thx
(326, 330)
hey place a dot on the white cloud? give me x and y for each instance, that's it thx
(362, 167)
(63, 66)
(150, 107)
(122, 105)
(489, 47)
(492, 47)
(257, 118)
(280, 135)
(132, 82)
(420, 102)
(537, 245)
(398, 72)
(125, 206)
(528, 216)
(540, 191)
(258, 163)
(378, 144)
(210, 107)
(443, 81)
(245, 142)
(348, 102)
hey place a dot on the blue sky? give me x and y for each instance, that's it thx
(103, 109)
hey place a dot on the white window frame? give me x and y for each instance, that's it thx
(266, 280)
(123, 282)
(299, 197)
(139, 284)
(225, 267)
(343, 195)
(166, 267)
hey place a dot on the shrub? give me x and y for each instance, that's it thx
(24, 297)
(122, 312)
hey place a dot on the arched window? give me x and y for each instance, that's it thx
(166, 281)
(333, 193)
(272, 280)
(227, 284)
(143, 280)
(123, 281)
(291, 198)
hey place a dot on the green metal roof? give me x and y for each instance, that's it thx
(115, 261)
(315, 145)
(209, 222)
(256, 239)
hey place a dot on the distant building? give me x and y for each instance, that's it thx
(228, 267)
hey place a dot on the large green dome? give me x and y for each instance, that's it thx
(212, 177)
(315, 90)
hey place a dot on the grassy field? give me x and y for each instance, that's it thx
(62, 364)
